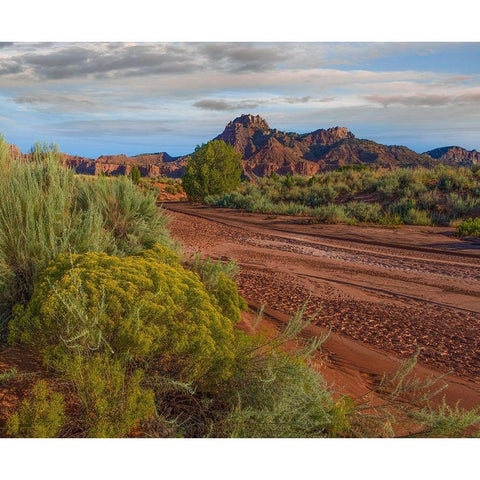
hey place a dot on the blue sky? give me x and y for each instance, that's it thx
(106, 98)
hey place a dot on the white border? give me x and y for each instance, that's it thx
(239, 459)
(240, 20)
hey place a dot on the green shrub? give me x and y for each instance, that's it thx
(363, 211)
(132, 218)
(458, 179)
(469, 227)
(332, 214)
(41, 414)
(321, 196)
(36, 224)
(287, 180)
(135, 175)
(445, 421)
(269, 394)
(275, 395)
(218, 279)
(429, 200)
(417, 217)
(112, 400)
(139, 306)
(388, 219)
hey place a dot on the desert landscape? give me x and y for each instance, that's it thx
(384, 294)
(309, 281)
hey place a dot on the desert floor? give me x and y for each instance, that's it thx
(384, 292)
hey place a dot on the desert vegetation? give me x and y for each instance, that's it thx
(469, 227)
(415, 196)
(161, 186)
(137, 341)
(214, 168)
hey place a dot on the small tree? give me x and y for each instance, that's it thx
(135, 174)
(214, 168)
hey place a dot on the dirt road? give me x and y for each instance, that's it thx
(384, 292)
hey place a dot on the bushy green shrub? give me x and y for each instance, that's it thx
(414, 216)
(36, 224)
(132, 218)
(275, 395)
(112, 399)
(321, 196)
(469, 227)
(332, 214)
(363, 211)
(41, 414)
(429, 200)
(388, 219)
(218, 279)
(139, 306)
(269, 394)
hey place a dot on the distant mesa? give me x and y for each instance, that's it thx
(265, 151)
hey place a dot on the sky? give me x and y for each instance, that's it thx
(110, 98)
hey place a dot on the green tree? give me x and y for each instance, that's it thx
(214, 168)
(135, 174)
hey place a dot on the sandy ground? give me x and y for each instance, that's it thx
(383, 292)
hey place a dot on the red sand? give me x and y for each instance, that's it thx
(384, 292)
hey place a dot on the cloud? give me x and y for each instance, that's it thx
(298, 99)
(62, 103)
(426, 100)
(96, 128)
(307, 99)
(222, 105)
(100, 60)
(245, 57)
(60, 61)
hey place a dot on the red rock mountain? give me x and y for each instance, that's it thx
(265, 150)
(456, 156)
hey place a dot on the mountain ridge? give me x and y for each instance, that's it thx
(266, 150)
